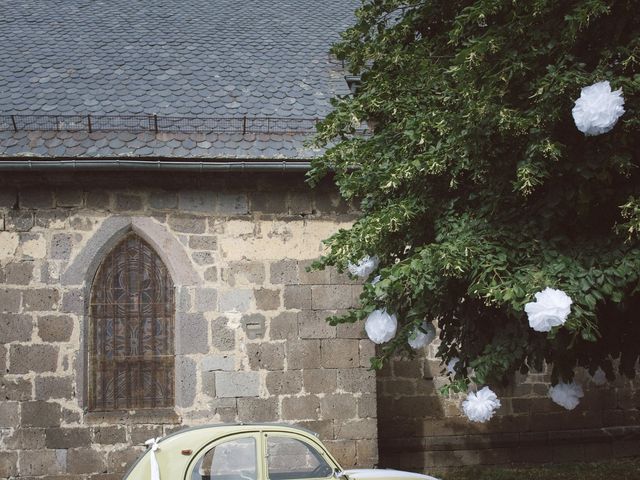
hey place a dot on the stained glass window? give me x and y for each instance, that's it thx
(130, 344)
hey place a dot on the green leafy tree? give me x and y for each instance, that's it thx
(476, 188)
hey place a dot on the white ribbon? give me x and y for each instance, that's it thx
(152, 443)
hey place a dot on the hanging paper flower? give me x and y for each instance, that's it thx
(598, 109)
(599, 377)
(551, 308)
(451, 366)
(480, 406)
(422, 336)
(567, 395)
(380, 326)
(364, 267)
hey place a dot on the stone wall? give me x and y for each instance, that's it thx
(251, 341)
(421, 430)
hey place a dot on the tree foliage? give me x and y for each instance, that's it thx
(476, 188)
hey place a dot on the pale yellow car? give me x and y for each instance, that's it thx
(247, 452)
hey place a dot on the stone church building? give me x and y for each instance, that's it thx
(155, 234)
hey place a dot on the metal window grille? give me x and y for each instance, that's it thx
(131, 351)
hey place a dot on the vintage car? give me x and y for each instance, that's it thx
(247, 452)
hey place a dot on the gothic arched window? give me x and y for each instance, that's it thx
(130, 344)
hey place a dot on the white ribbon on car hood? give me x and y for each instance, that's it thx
(152, 443)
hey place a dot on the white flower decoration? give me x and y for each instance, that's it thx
(567, 395)
(380, 326)
(598, 109)
(418, 338)
(599, 377)
(551, 309)
(364, 267)
(451, 366)
(376, 279)
(480, 406)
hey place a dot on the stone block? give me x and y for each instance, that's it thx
(86, 460)
(284, 272)
(206, 299)
(69, 197)
(203, 258)
(211, 274)
(253, 325)
(42, 462)
(15, 327)
(324, 428)
(367, 350)
(197, 201)
(297, 296)
(237, 300)
(367, 406)
(51, 219)
(110, 435)
(340, 353)
(126, 202)
(356, 429)
(9, 414)
(223, 338)
(18, 273)
(15, 389)
(25, 439)
(80, 223)
(267, 299)
(313, 324)
(48, 388)
(33, 358)
(61, 246)
(55, 328)
(284, 383)
(40, 299)
(36, 198)
(3, 358)
(18, 221)
(302, 354)
(224, 363)
(351, 330)
(284, 326)
(331, 297)
(357, 380)
(267, 356)
(163, 200)
(67, 437)
(367, 452)
(269, 202)
(73, 301)
(257, 409)
(98, 200)
(192, 333)
(203, 242)
(8, 198)
(319, 380)
(301, 408)
(242, 273)
(232, 204)
(208, 380)
(10, 299)
(237, 384)
(312, 277)
(142, 433)
(338, 406)
(40, 414)
(187, 223)
(186, 380)
(118, 461)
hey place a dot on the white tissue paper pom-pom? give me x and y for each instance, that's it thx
(380, 326)
(551, 308)
(451, 366)
(598, 108)
(422, 336)
(566, 395)
(480, 406)
(364, 267)
(599, 377)
(376, 279)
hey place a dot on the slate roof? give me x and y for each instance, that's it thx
(186, 58)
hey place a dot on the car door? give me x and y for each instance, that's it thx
(233, 457)
(293, 457)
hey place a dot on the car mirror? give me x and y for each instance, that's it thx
(338, 474)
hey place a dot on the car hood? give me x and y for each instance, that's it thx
(383, 474)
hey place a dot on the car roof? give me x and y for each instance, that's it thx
(241, 427)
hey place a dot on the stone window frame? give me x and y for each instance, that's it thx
(77, 280)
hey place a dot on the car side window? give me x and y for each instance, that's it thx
(231, 460)
(289, 458)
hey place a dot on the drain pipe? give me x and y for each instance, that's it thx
(153, 165)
